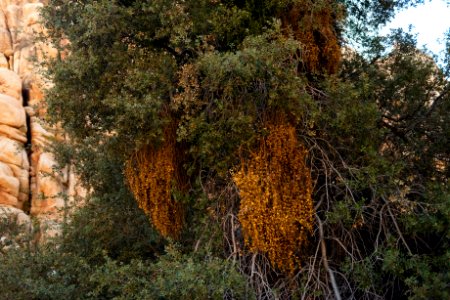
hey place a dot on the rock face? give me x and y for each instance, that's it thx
(29, 180)
(14, 163)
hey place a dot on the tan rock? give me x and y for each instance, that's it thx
(45, 205)
(45, 51)
(39, 135)
(10, 185)
(49, 190)
(5, 35)
(23, 198)
(10, 84)
(47, 163)
(11, 112)
(23, 175)
(30, 111)
(31, 13)
(8, 53)
(5, 170)
(13, 19)
(8, 200)
(18, 215)
(13, 153)
(37, 96)
(23, 57)
(19, 23)
(76, 192)
(3, 61)
(8, 182)
(13, 133)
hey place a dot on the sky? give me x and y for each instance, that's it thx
(430, 21)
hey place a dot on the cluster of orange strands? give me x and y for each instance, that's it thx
(276, 211)
(314, 28)
(150, 174)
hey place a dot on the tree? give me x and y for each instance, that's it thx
(186, 104)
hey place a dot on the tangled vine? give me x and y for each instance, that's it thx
(276, 211)
(315, 29)
(150, 173)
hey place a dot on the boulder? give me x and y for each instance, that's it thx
(10, 84)
(13, 133)
(18, 215)
(8, 182)
(13, 153)
(8, 200)
(12, 112)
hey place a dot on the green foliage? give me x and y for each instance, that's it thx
(174, 276)
(13, 234)
(200, 278)
(376, 132)
(425, 276)
(42, 274)
(49, 273)
(239, 89)
(113, 227)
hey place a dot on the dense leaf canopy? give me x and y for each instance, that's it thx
(181, 104)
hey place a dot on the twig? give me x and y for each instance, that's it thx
(397, 227)
(337, 295)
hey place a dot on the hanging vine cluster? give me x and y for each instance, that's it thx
(151, 173)
(276, 211)
(315, 28)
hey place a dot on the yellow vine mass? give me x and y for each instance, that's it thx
(276, 211)
(315, 29)
(150, 173)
